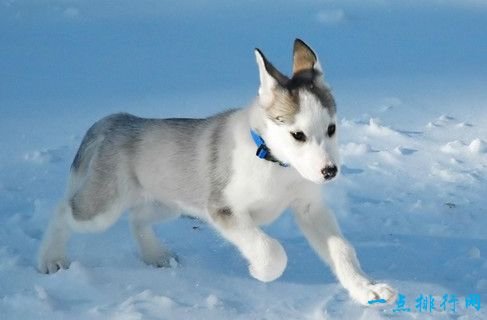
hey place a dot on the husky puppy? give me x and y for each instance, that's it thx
(236, 170)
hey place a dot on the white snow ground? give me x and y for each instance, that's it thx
(411, 197)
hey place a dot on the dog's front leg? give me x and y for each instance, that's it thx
(267, 258)
(320, 228)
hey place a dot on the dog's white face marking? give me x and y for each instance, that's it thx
(309, 144)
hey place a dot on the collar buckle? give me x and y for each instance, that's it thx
(263, 152)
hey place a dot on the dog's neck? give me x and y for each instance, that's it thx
(263, 151)
(257, 132)
(257, 117)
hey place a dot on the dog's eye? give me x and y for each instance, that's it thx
(331, 130)
(299, 136)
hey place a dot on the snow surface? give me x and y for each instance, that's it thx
(410, 81)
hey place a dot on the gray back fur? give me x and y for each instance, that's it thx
(119, 153)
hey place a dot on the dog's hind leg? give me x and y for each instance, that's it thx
(94, 206)
(152, 251)
(52, 253)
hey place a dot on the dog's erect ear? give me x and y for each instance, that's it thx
(269, 76)
(304, 57)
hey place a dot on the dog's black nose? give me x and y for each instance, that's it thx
(329, 172)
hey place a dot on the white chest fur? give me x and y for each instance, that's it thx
(262, 188)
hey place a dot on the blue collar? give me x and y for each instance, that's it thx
(263, 150)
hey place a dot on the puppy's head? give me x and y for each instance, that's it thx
(300, 115)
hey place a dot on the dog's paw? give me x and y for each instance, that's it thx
(162, 260)
(51, 265)
(374, 291)
(270, 263)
